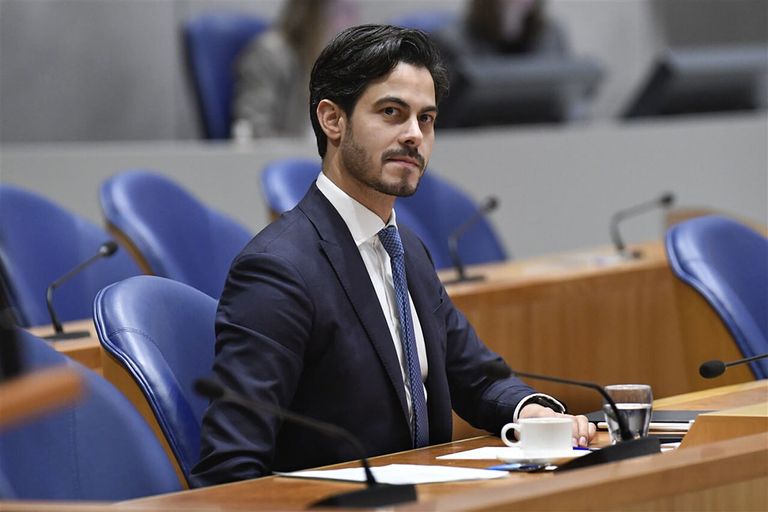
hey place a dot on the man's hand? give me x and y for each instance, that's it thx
(583, 430)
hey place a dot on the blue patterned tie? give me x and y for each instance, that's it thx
(390, 239)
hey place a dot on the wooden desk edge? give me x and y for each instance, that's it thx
(616, 484)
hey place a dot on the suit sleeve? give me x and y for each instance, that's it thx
(485, 403)
(262, 327)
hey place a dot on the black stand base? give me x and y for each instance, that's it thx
(74, 335)
(371, 497)
(464, 279)
(619, 451)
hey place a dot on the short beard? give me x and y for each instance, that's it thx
(358, 164)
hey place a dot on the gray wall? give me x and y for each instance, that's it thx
(557, 188)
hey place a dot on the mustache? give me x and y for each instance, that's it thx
(407, 152)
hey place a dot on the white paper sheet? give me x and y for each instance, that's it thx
(484, 453)
(402, 474)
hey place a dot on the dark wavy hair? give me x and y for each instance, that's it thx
(361, 54)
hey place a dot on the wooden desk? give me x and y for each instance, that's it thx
(86, 351)
(729, 474)
(582, 315)
(588, 316)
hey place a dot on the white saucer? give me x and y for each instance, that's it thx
(511, 454)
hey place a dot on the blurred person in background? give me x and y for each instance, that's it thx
(513, 28)
(272, 73)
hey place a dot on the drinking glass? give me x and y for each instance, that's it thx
(634, 402)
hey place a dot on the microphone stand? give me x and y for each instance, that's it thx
(664, 201)
(453, 242)
(627, 448)
(106, 250)
(373, 496)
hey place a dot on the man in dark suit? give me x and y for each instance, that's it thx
(332, 312)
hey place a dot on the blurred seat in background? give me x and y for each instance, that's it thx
(727, 263)
(97, 449)
(437, 211)
(159, 336)
(213, 40)
(703, 80)
(434, 212)
(39, 243)
(429, 21)
(285, 181)
(170, 232)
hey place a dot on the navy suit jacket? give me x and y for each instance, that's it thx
(299, 326)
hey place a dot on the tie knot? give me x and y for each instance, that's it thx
(390, 239)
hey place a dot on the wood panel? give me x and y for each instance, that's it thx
(591, 316)
(584, 315)
(710, 476)
(86, 351)
(38, 392)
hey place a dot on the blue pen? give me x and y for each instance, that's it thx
(518, 466)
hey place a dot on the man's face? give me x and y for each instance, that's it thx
(389, 137)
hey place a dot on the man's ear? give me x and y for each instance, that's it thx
(332, 119)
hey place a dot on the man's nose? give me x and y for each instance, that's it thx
(411, 134)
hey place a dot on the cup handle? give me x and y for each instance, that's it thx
(506, 428)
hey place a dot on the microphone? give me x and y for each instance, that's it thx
(629, 447)
(663, 201)
(490, 204)
(716, 368)
(374, 495)
(106, 250)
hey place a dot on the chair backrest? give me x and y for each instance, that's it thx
(161, 332)
(39, 243)
(175, 235)
(438, 208)
(284, 182)
(433, 212)
(727, 263)
(97, 449)
(213, 40)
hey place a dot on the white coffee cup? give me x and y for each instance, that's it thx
(541, 434)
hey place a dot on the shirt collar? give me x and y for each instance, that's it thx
(362, 223)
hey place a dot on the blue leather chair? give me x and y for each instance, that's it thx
(96, 449)
(284, 182)
(213, 41)
(161, 332)
(727, 263)
(172, 233)
(40, 242)
(436, 210)
(433, 212)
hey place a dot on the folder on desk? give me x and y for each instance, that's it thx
(671, 420)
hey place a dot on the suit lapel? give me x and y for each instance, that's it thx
(343, 255)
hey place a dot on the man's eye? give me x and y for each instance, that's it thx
(390, 111)
(427, 118)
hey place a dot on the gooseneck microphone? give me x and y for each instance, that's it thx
(716, 368)
(106, 250)
(490, 204)
(629, 447)
(374, 495)
(664, 201)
